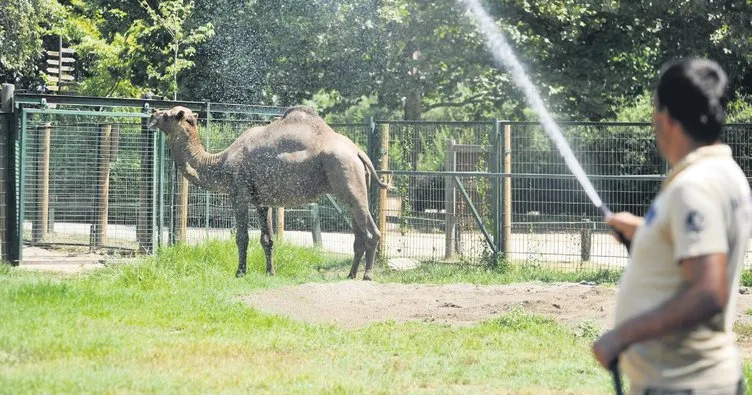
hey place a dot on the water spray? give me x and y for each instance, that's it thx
(502, 53)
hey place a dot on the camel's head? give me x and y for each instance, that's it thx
(173, 120)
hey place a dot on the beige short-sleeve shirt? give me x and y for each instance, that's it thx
(703, 208)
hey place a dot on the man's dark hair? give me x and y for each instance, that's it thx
(694, 92)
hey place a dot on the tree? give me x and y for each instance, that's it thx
(172, 16)
(23, 24)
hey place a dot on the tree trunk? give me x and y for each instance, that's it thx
(414, 96)
(413, 104)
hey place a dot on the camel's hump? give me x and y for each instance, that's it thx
(304, 109)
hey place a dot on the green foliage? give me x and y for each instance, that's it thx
(394, 59)
(120, 51)
(335, 108)
(639, 109)
(106, 59)
(746, 280)
(740, 110)
(172, 16)
(23, 25)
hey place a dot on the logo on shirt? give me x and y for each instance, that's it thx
(650, 215)
(694, 222)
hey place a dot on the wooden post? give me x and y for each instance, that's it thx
(103, 196)
(315, 225)
(92, 237)
(40, 222)
(586, 242)
(114, 142)
(181, 232)
(6, 194)
(450, 164)
(507, 225)
(280, 233)
(383, 165)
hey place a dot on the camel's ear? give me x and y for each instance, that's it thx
(180, 115)
(192, 119)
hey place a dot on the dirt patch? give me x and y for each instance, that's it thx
(354, 304)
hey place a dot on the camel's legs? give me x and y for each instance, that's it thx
(241, 237)
(359, 247)
(370, 255)
(369, 234)
(267, 236)
(350, 188)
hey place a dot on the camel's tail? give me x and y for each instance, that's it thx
(372, 171)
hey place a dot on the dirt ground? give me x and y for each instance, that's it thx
(354, 304)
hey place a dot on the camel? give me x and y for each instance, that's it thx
(292, 161)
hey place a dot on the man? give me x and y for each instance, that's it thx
(676, 301)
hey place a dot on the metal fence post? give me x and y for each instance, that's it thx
(207, 210)
(159, 176)
(450, 165)
(105, 149)
(42, 188)
(171, 204)
(8, 135)
(496, 191)
(21, 183)
(145, 230)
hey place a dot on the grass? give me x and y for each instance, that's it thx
(448, 273)
(171, 324)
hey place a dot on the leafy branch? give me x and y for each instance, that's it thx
(172, 16)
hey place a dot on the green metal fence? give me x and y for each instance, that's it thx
(92, 182)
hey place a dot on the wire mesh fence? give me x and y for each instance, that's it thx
(81, 181)
(469, 192)
(428, 217)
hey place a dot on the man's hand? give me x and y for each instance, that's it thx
(625, 223)
(607, 348)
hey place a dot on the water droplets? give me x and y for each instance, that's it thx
(503, 54)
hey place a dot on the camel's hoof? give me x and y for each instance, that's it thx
(239, 274)
(368, 277)
(271, 273)
(351, 276)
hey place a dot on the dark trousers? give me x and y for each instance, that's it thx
(655, 391)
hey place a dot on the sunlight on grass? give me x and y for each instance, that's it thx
(172, 323)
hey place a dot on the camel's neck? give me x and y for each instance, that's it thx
(199, 167)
